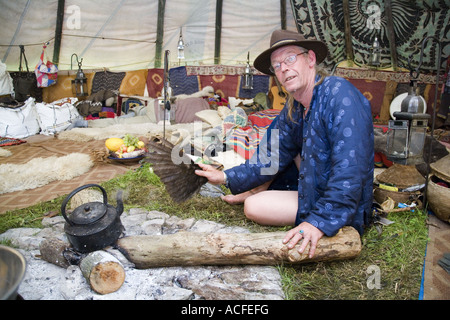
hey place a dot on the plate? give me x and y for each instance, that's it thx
(396, 104)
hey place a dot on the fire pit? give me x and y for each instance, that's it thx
(47, 281)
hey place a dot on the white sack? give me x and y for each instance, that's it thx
(56, 116)
(19, 122)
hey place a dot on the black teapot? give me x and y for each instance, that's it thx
(94, 225)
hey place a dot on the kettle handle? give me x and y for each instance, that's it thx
(66, 200)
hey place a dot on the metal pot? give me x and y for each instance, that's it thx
(94, 225)
(12, 272)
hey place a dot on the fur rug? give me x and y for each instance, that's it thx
(5, 153)
(137, 129)
(41, 171)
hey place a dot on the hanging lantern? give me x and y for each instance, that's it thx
(375, 55)
(180, 46)
(248, 75)
(79, 84)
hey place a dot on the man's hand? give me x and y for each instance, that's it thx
(308, 233)
(213, 175)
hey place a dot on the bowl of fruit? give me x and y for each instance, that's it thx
(126, 149)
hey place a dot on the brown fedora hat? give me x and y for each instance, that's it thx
(281, 38)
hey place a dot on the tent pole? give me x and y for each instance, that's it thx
(58, 31)
(219, 4)
(283, 14)
(390, 33)
(160, 33)
(347, 32)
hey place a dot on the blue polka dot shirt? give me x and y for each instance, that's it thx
(335, 142)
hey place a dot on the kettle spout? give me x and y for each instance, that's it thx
(119, 200)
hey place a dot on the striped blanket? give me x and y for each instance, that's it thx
(245, 139)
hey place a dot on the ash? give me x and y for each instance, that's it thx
(46, 281)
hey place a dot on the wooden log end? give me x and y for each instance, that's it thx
(107, 277)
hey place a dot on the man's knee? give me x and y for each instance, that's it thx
(251, 209)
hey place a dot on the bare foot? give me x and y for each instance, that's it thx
(240, 198)
(236, 199)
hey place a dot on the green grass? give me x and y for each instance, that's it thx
(397, 252)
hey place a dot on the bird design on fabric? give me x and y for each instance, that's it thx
(176, 168)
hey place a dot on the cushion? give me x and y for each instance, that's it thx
(210, 116)
(187, 108)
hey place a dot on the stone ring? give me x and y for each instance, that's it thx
(301, 232)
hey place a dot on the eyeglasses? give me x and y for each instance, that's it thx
(290, 60)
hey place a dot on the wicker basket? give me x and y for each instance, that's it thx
(400, 176)
(441, 168)
(380, 195)
(438, 198)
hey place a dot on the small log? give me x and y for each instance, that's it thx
(191, 248)
(53, 250)
(104, 273)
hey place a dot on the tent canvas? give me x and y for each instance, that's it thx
(122, 34)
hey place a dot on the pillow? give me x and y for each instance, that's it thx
(236, 119)
(186, 108)
(210, 116)
(223, 112)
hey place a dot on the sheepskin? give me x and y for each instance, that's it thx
(205, 92)
(41, 171)
(5, 153)
(119, 131)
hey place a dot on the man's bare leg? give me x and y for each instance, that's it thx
(272, 207)
(240, 198)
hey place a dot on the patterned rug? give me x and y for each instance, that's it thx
(436, 281)
(10, 141)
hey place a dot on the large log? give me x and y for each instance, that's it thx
(191, 248)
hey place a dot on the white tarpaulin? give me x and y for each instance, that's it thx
(122, 34)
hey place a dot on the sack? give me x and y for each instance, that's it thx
(56, 116)
(46, 73)
(6, 82)
(24, 83)
(19, 122)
